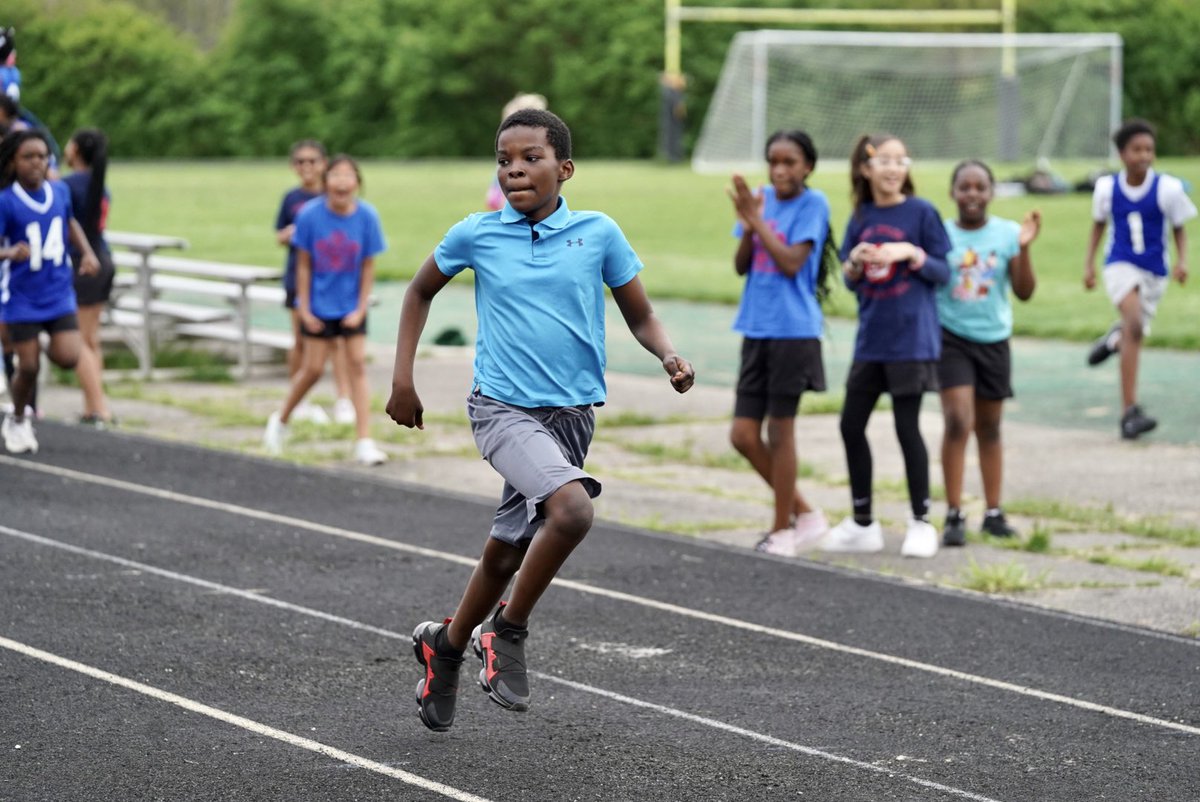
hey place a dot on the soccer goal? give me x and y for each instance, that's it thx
(1001, 97)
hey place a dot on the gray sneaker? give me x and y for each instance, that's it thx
(502, 651)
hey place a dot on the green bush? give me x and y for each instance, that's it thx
(418, 78)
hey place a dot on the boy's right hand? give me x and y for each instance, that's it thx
(404, 407)
(1089, 276)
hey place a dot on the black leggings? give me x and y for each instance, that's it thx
(856, 411)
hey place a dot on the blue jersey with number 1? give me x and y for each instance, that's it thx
(40, 288)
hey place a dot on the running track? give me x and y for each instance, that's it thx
(183, 624)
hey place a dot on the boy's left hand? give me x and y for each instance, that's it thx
(1180, 273)
(89, 265)
(681, 373)
(354, 319)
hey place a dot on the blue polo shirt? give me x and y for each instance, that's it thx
(539, 298)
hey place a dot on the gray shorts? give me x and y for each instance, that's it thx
(537, 451)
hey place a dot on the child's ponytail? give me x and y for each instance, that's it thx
(92, 145)
(830, 265)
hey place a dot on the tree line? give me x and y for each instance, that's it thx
(427, 78)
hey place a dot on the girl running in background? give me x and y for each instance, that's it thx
(975, 372)
(337, 238)
(87, 155)
(784, 239)
(894, 258)
(309, 159)
(36, 292)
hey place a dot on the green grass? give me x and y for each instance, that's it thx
(1151, 565)
(1105, 520)
(1000, 578)
(678, 221)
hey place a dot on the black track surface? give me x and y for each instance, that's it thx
(68, 736)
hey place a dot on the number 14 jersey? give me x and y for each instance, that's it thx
(40, 288)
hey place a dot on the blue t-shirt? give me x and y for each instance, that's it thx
(293, 201)
(974, 304)
(539, 297)
(774, 306)
(78, 183)
(338, 245)
(42, 287)
(897, 308)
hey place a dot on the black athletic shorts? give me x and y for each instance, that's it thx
(334, 328)
(96, 288)
(985, 366)
(20, 332)
(774, 374)
(289, 299)
(899, 379)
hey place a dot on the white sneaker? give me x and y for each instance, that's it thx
(921, 540)
(275, 435)
(18, 436)
(849, 536)
(781, 542)
(343, 411)
(810, 527)
(367, 453)
(311, 413)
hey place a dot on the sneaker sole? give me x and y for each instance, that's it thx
(507, 704)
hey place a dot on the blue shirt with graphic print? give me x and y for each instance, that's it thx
(773, 305)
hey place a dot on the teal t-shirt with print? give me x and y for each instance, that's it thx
(974, 304)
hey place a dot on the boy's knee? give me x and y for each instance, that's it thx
(570, 512)
(1133, 331)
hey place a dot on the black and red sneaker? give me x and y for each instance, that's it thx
(437, 693)
(501, 647)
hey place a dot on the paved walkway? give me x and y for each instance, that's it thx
(1117, 523)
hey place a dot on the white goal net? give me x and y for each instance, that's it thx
(1001, 97)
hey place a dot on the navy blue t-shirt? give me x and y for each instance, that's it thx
(78, 183)
(288, 209)
(897, 306)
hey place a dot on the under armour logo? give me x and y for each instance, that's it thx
(573, 242)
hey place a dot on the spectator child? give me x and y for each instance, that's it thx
(337, 238)
(87, 155)
(1142, 204)
(975, 372)
(10, 74)
(783, 239)
(308, 159)
(36, 222)
(540, 272)
(894, 258)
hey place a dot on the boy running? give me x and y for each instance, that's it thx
(540, 272)
(1141, 204)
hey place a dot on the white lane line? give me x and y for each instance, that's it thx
(241, 722)
(616, 595)
(765, 739)
(579, 686)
